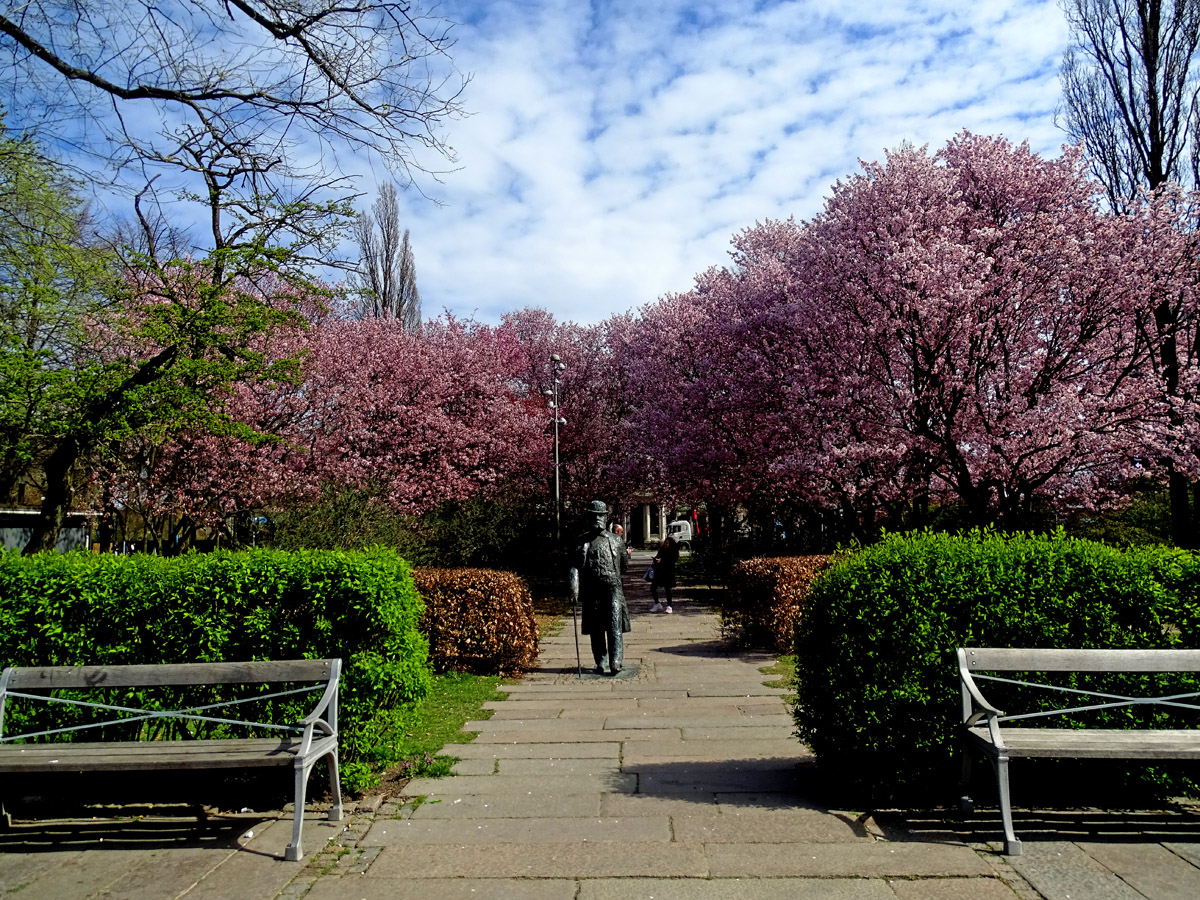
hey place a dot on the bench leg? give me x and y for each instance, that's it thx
(965, 803)
(1012, 846)
(5, 818)
(335, 787)
(294, 851)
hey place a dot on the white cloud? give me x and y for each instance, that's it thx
(615, 147)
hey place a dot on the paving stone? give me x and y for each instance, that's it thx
(596, 750)
(165, 872)
(19, 869)
(738, 775)
(775, 827)
(506, 806)
(731, 706)
(583, 736)
(474, 767)
(596, 705)
(862, 859)
(737, 889)
(522, 831)
(1059, 870)
(744, 801)
(640, 805)
(527, 687)
(82, 875)
(567, 766)
(460, 785)
(747, 732)
(367, 887)
(541, 713)
(1150, 869)
(700, 751)
(720, 690)
(953, 889)
(649, 720)
(594, 723)
(1188, 851)
(591, 860)
(258, 870)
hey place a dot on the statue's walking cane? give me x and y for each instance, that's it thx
(575, 628)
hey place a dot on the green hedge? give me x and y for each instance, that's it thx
(77, 609)
(879, 698)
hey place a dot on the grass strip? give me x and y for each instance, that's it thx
(454, 699)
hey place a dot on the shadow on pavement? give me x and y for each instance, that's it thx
(42, 836)
(771, 783)
(1106, 826)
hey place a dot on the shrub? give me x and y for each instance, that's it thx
(84, 609)
(765, 597)
(876, 674)
(478, 620)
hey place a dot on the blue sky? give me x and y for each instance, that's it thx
(613, 148)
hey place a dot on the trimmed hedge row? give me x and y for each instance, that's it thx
(765, 597)
(83, 609)
(877, 678)
(478, 620)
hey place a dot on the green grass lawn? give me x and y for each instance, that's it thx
(785, 669)
(453, 700)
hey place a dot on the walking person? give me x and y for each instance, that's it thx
(664, 574)
(595, 578)
(619, 531)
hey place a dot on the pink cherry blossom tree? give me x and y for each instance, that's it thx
(958, 325)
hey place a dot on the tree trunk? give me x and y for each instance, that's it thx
(1183, 531)
(56, 503)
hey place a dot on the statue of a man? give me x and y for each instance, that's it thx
(595, 577)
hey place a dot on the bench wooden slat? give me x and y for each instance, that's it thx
(27, 678)
(160, 755)
(1093, 743)
(1003, 659)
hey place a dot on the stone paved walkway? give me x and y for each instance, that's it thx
(679, 780)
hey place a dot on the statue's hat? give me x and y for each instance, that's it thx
(598, 507)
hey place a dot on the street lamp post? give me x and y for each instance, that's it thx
(557, 367)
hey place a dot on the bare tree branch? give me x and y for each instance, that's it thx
(1130, 95)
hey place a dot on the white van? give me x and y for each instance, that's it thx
(681, 531)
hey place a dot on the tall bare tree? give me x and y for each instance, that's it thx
(1130, 93)
(385, 281)
(1131, 97)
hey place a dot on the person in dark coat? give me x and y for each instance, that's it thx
(664, 574)
(595, 576)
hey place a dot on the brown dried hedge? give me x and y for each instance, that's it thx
(477, 620)
(766, 596)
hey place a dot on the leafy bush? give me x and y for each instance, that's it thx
(478, 620)
(877, 679)
(764, 598)
(83, 609)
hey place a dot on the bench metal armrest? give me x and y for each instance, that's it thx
(329, 697)
(971, 695)
(324, 714)
(4, 676)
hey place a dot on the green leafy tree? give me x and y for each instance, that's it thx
(53, 287)
(101, 347)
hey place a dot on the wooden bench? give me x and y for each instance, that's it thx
(300, 746)
(986, 728)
